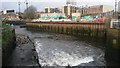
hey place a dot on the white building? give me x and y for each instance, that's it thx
(107, 8)
(8, 11)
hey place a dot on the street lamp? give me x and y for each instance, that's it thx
(26, 2)
(19, 6)
(115, 5)
(115, 8)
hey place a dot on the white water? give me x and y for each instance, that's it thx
(60, 58)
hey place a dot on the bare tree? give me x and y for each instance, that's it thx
(30, 12)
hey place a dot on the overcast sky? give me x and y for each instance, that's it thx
(41, 4)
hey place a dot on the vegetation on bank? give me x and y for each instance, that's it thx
(0, 35)
(8, 43)
(6, 34)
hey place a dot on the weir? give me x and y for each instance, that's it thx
(93, 30)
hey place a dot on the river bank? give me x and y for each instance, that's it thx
(17, 50)
(24, 54)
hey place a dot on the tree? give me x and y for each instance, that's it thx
(30, 12)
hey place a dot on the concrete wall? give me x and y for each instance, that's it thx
(113, 45)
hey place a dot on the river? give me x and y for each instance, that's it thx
(61, 50)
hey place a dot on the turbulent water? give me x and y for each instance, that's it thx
(61, 50)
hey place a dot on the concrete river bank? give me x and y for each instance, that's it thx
(62, 50)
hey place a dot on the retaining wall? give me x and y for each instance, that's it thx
(113, 45)
(96, 30)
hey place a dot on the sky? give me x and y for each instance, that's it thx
(41, 4)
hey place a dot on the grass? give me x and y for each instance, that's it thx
(7, 42)
(6, 34)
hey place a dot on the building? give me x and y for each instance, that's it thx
(97, 9)
(52, 10)
(10, 15)
(56, 10)
(69, 9)
(96, 13)
(49, 10)
(83, 10)
(119, 6)
(8, 11)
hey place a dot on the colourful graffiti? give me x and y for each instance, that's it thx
(92, 19)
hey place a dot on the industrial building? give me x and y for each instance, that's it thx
(86, 13)
(96, 9)
(52, 10)
(69, 9)
(96, 12)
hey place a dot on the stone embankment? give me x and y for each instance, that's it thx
(24, 55)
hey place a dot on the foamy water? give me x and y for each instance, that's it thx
(60, 58)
